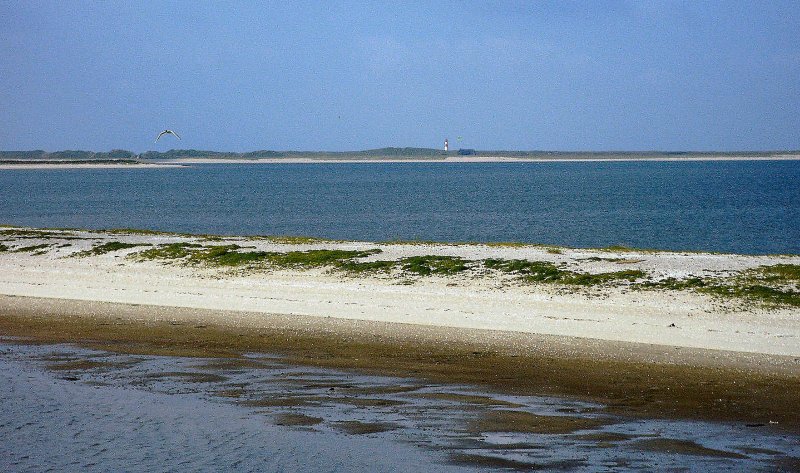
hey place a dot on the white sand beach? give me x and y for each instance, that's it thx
(478, 299)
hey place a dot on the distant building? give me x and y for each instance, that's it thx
(446, 147)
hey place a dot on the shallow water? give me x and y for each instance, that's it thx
(733, 206)
(67, 408)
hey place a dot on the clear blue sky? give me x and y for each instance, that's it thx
(299, 75)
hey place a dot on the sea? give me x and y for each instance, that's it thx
(748, 207)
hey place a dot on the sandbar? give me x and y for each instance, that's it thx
(651, 352)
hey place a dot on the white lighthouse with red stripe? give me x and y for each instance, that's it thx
(446, 147)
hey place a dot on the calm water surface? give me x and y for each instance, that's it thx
(734, 206)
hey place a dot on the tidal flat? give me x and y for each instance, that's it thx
(64, 393)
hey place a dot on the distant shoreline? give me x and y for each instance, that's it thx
(182, 162)
(123, 158)
(474, 159)
(7, 165)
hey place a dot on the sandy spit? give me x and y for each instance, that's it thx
(487, 302)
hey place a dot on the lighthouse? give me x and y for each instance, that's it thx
(445, 144)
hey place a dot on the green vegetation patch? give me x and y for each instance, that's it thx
(3, 248)
(36, 249)
(778, 273)
(610, 260)
(317, 258)
(20, 233)
(432, 264)
(533, 271)
(361, 267)
(225, 255)
(169, 251)
(108, 248)
(231, 255)
(777, 285)
(618, 248)
(588, 279)
(547, 272)
(677, 284)
(770, 285)
(767, 295)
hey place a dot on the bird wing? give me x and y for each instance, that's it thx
(176, 135)
(161, 134)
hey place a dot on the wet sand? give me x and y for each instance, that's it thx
(87, 405)
(631, 379)
(121, 419)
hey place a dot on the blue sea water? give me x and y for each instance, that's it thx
(726, 206)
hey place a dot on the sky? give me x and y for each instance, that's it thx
(296, 75)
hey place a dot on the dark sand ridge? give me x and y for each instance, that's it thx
(631, 379)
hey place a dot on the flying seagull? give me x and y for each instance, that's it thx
(167, 132)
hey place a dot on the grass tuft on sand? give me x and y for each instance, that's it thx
(547, 272)
(317, 258)
(771, 286)
(778, 273)
(22, 233)
(231, 256)
(168, 251)
(366, 267)
(108, 248)
(35, 249)
(434, 264)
